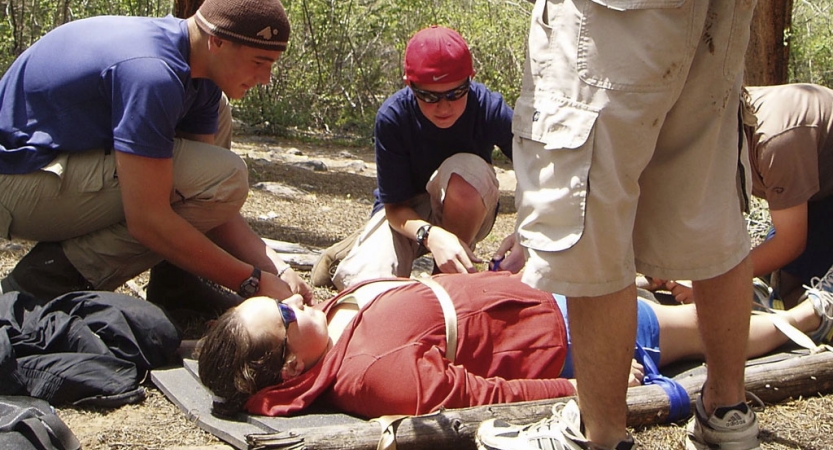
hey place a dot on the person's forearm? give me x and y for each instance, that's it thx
(238, 238)
(450, 254)
(773, 254)
(278, 280)
(786, 244)
(403, 219)
(146, 186)
(176, 240)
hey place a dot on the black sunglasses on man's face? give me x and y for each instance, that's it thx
(450, 95)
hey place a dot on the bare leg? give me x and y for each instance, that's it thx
(463, 209)
(603, 330)
(765, 337)
(724, 305)
(680, 336)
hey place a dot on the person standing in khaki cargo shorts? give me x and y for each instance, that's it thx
(627, 157)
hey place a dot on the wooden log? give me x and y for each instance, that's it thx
(647, 405)
(296, 255)
(299, 261)
(771, 382)
(287, 247)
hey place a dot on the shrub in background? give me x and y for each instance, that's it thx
(345, 56)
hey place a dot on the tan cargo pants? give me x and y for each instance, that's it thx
(76, 200)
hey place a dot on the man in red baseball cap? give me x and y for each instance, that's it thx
(437, 190)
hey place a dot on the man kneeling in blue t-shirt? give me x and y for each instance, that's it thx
(111, 157)
(437, 190)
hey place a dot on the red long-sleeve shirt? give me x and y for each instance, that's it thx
(511, 345)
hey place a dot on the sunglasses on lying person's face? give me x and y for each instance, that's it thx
(287, 314)
(450, 95)
(287, 317)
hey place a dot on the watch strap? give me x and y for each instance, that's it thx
(251, 285)
(422, 234)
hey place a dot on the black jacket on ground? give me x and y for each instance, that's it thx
(83, 347)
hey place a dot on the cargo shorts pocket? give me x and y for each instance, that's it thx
(635, 46)
(738, 38)
(625, 5)
(554, 149)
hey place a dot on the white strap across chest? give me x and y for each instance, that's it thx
(449, 314)
(367, 292)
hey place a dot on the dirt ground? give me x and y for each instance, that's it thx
(316, 208)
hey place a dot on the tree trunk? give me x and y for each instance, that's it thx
(768, 55)
(186, 8)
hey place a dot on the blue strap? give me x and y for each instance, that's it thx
(678, 399)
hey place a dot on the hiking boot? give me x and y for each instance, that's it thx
(728, 428)
(821, 295)
(325, 267)
(45, 273)
(176, 289)
(561, 431)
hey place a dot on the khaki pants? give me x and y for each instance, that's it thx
(626, 142)
(381, 252)
(76, 200)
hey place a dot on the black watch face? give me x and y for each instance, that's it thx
(422, 232)
(250, 286)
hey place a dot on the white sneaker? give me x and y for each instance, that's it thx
(728, 428)
(820, 293)
(824, 283)
(561, 431)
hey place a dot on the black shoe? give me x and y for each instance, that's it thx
(324, 268)
(45, 273)
(174, 289)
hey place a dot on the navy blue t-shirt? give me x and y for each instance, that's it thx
(103, 82)
(409, 148)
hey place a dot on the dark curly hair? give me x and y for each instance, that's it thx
(234, 366)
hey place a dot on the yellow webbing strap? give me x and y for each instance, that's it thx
(795, 335)
(390, 423)
(449, 314)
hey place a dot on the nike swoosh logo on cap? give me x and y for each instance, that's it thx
(439, 77)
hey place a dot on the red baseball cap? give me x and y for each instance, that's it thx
(437, 55)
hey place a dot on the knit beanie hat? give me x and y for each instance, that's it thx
(255, 23)
(436, 55)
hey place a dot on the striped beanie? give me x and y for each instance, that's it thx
(255, 23)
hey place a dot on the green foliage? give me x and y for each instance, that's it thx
(24, 22)
(811, 42)
(345, 56)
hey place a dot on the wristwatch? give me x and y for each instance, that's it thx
(251, 285)
(422, 235)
